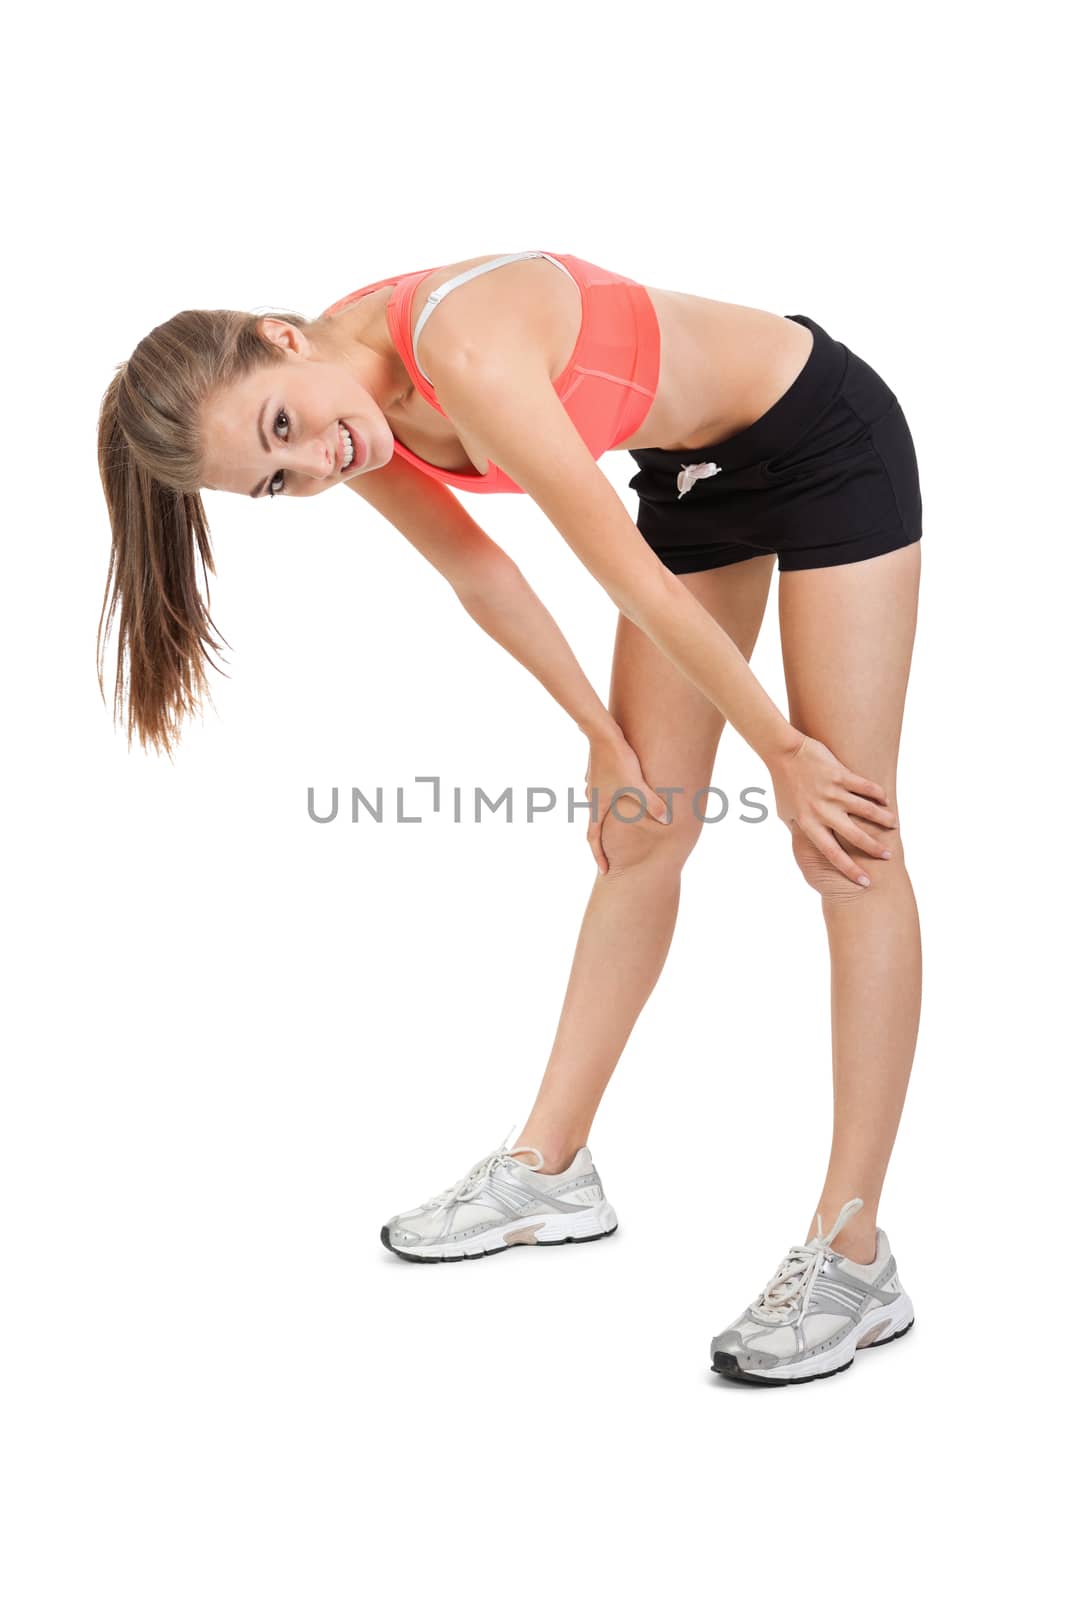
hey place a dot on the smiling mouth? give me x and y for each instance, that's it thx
(349, 440)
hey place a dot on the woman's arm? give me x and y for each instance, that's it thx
(493, 590)
(515, 416)
(489, 585)
(503, 401)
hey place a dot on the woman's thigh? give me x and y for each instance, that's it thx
(847, 635)
(673, 728)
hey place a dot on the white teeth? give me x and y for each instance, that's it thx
(350, 449)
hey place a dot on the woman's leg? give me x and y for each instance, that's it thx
(629, 921)
(847, 636)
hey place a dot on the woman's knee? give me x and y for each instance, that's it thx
(831, 884)
(644, 842)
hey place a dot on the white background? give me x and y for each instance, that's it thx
(238, 1041)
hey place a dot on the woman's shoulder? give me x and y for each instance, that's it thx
(539, 305)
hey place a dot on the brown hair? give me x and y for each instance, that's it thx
(150, 451)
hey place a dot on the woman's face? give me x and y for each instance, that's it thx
(281, 430)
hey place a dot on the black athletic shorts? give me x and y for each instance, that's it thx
(827, 475)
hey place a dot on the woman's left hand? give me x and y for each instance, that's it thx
(823, 798)
(614, 765)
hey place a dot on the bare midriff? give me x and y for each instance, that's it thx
(721, 367)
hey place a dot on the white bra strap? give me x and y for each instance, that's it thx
(461, 277)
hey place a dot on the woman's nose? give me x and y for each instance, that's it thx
(317, 460)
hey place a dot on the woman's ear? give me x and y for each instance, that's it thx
(286, 335)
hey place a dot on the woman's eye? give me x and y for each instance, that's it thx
(279, 477)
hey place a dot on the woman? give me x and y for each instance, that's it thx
(757, 437)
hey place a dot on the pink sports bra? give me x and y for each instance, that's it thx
(606, 387)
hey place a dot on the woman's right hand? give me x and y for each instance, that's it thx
(614, 765)
(822, 797)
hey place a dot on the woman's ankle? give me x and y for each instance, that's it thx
(558, 1148)
(857, 1240)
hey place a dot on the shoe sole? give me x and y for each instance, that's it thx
(435, 1261)
(726, 1365)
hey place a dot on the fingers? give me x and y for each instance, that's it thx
(873, 813)
(855, 784)
(859, 836)
(597, 847)
(657, 806)
(824, 841)
(858, 785)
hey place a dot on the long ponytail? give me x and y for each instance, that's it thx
(150, 451)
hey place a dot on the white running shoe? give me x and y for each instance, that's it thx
(502, 1202)
(815, 1313)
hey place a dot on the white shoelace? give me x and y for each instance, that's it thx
(474, 1181)
(789, 1290)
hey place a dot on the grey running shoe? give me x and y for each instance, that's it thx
(502, 1202)
(815, 1313)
